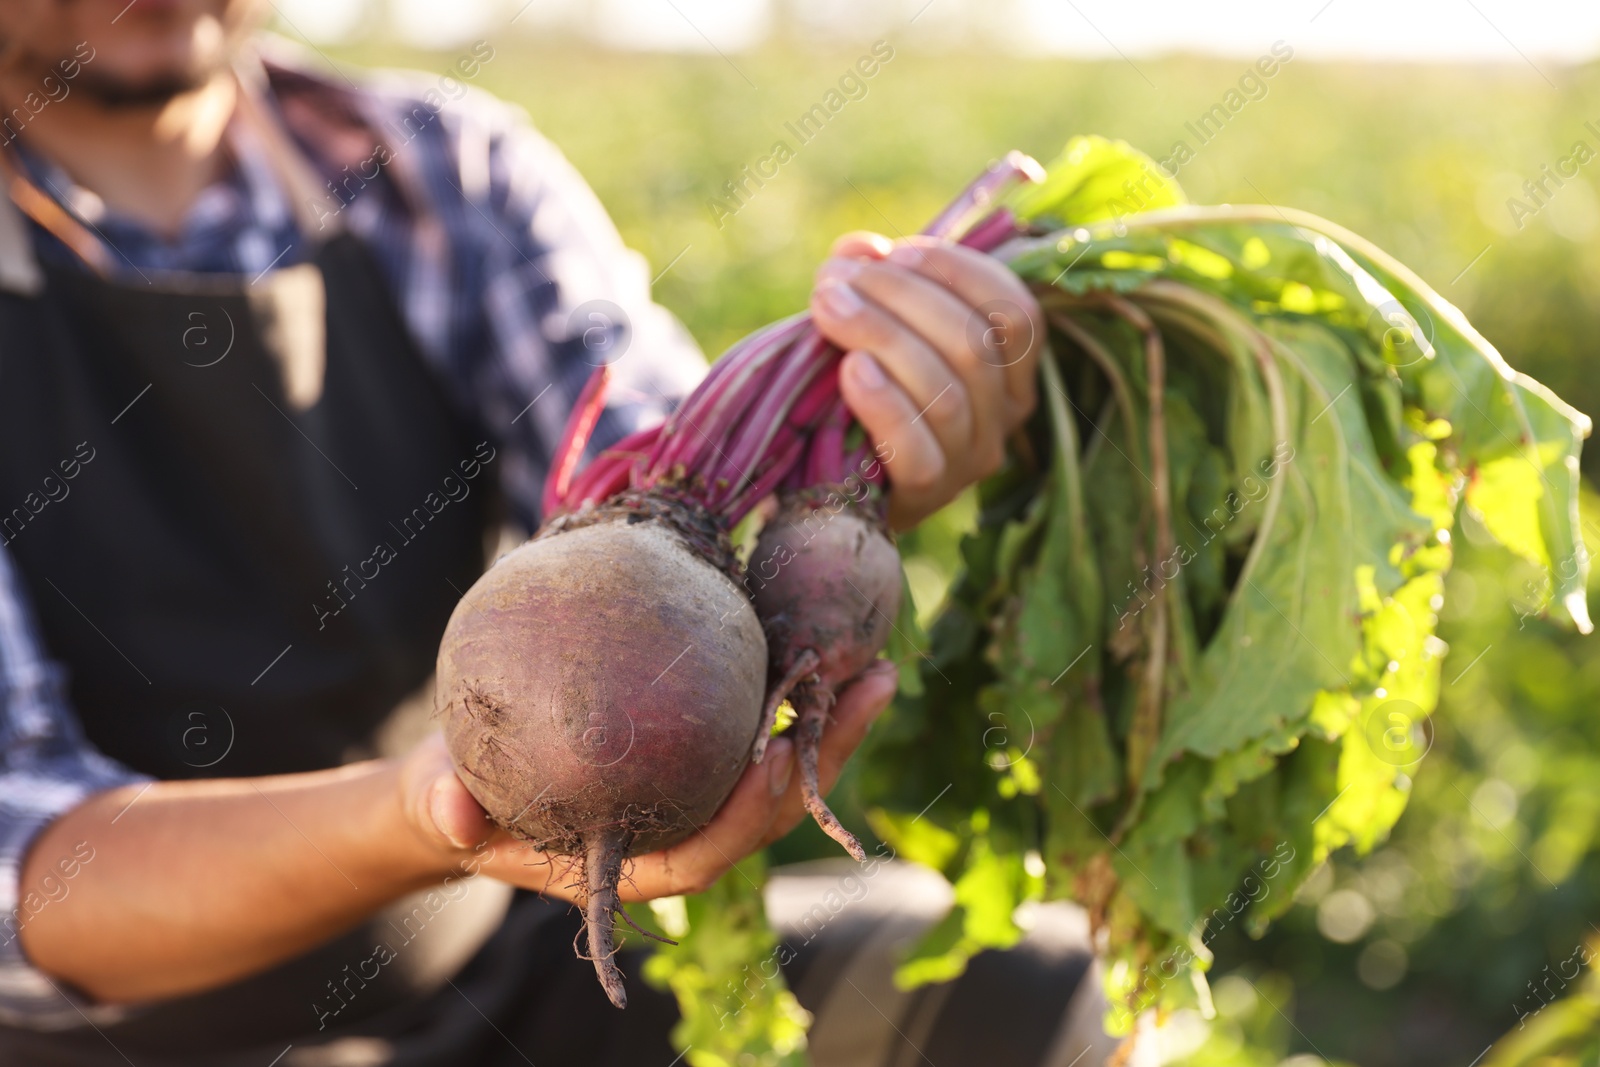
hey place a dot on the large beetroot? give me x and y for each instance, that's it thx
(600, 697)
(604, 685)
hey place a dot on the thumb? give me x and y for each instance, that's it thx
(438, 804)
(456, 816)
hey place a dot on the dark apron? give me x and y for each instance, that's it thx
(241, 582)
(243, 510)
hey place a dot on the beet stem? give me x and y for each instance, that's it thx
(992, 231)
(801, 365)
(805, 664)
(1011, 169)
(602, 868)
(585, 414)
(812, 718)
(737, 506)
(744, 414)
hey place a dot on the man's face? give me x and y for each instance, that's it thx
(144, 51)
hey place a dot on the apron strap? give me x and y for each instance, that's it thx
(19, 267)
(19, 270)
(296, 177)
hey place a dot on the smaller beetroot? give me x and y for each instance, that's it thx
(825, 577)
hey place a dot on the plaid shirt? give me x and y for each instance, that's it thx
(511, 278)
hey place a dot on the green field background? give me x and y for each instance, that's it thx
(1445, 937)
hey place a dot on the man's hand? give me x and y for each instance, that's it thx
(941, 343)
(764, 806)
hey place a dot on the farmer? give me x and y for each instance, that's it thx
(255, 318)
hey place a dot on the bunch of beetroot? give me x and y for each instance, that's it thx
(604, 685)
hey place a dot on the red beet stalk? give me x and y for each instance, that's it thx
(769, 413)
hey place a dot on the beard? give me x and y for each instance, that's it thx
(116, 93)
(161, 53)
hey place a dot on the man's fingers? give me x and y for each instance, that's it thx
(924, 307)
(861, 244)
(1006, 317)
(734, 832)
(507, 859)
(437, 802)
(904, 442)
(851, 321)
(738, 829)
(763, 806)
(857, 708)
(457, 815)
(1004, 329)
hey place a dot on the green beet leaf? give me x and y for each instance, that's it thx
(1192, 651)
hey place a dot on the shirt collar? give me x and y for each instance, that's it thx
(246, 194)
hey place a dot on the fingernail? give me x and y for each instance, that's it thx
(439, 813)
(906, 255)
(888, 673)
(838, 299)
(839, 269)
(888, 676)
(880, 244)
(884, 667)
(780, 757)
(867, 372)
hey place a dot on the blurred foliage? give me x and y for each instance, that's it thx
(1465, 925)
(1564, 1032)
(1429, 949)
(1251, 1028)
(722, 1021)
